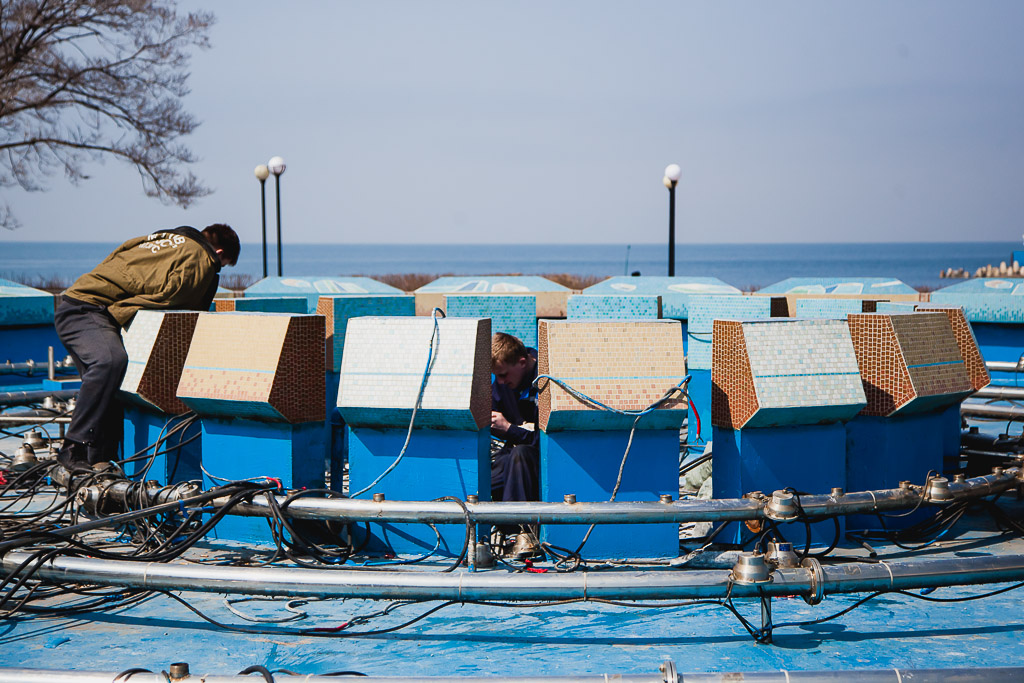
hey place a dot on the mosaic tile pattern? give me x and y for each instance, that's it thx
(511, 314)
(271, 304)
(383, 366)
(626, 365)
(21, 305)
(314, 286)
(551, 297)
(704, 309)
(894, 307)
(620, 306)
(264, 366)
(839, 285)
(783, 372)
(865, 303)
(676, 292)
(828, 308)
(967, 343)
(157, 344)
(985, 300)
(339, 309)
(223, 305)
(908, 362)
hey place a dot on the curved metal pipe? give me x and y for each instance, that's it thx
(973, 675)
(972, 409)
(468, 586)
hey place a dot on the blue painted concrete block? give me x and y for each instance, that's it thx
(699, 391)
(335, 433)
(436, 463)
(21, 344)
(1000, 342)
(178, 459)
(236, 448)
(587, 464)
(808, 458)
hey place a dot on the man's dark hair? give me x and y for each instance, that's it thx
(223, 237)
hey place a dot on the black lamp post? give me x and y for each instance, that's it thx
(262, 173)
(276, 165)
(672, 173)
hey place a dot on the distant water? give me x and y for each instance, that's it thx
(743, 265)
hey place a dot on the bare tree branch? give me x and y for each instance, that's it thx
(82, 80)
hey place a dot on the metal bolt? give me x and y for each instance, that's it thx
(997, 471)
(959, 478)
(904, 485)
(837, 491)
(378, 497)
(569, 498)
(665, 498)
(472, 498)
(178, 670)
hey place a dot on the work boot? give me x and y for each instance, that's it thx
(73, 456)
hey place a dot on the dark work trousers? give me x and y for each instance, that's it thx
(515, 473)
(93, 338)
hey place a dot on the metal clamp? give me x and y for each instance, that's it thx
(668, 671)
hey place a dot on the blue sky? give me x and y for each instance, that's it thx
(541, 122)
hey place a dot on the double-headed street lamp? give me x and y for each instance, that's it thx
(672, 173)
(276, 166)
(262, 173)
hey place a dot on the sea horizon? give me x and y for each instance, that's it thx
(747, 266)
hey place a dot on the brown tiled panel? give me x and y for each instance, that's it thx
(733, 400)
(159, 382)
(968, 346)
(627, 365)
(907, 361)
(223, 305)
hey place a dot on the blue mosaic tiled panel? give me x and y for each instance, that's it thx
(276, 304)
(985, 300)
(704, 309)
(629, 307)
(511, 314)
(383, 367)
(339, 309)
(828, 308)
(676, 292)
(21, 305)
(804, 371)
(839, 285)
(483, 284)
(315, 286)
(896, 307)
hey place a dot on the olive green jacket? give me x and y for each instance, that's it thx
(170, 270)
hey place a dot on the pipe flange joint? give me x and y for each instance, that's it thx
(817, 578)
(669, 674)
(782, 507)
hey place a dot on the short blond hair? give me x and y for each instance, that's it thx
(506, 349)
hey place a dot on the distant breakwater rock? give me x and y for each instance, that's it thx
(1002, 270)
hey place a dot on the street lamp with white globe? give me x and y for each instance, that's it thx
(276, 166)
(672, 173)
(262, 173)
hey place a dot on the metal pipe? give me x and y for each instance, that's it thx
(470, 586)
(1000, 393)
(971, 409)
(16, 398)
(30, 366)
(51, 367)
(1004, 366)
(1007, 674)
(443, 512)
(18, 420)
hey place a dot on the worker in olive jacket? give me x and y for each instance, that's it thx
(171, 270)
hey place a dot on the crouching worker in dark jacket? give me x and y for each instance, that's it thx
(515, 469)
(171, 270)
